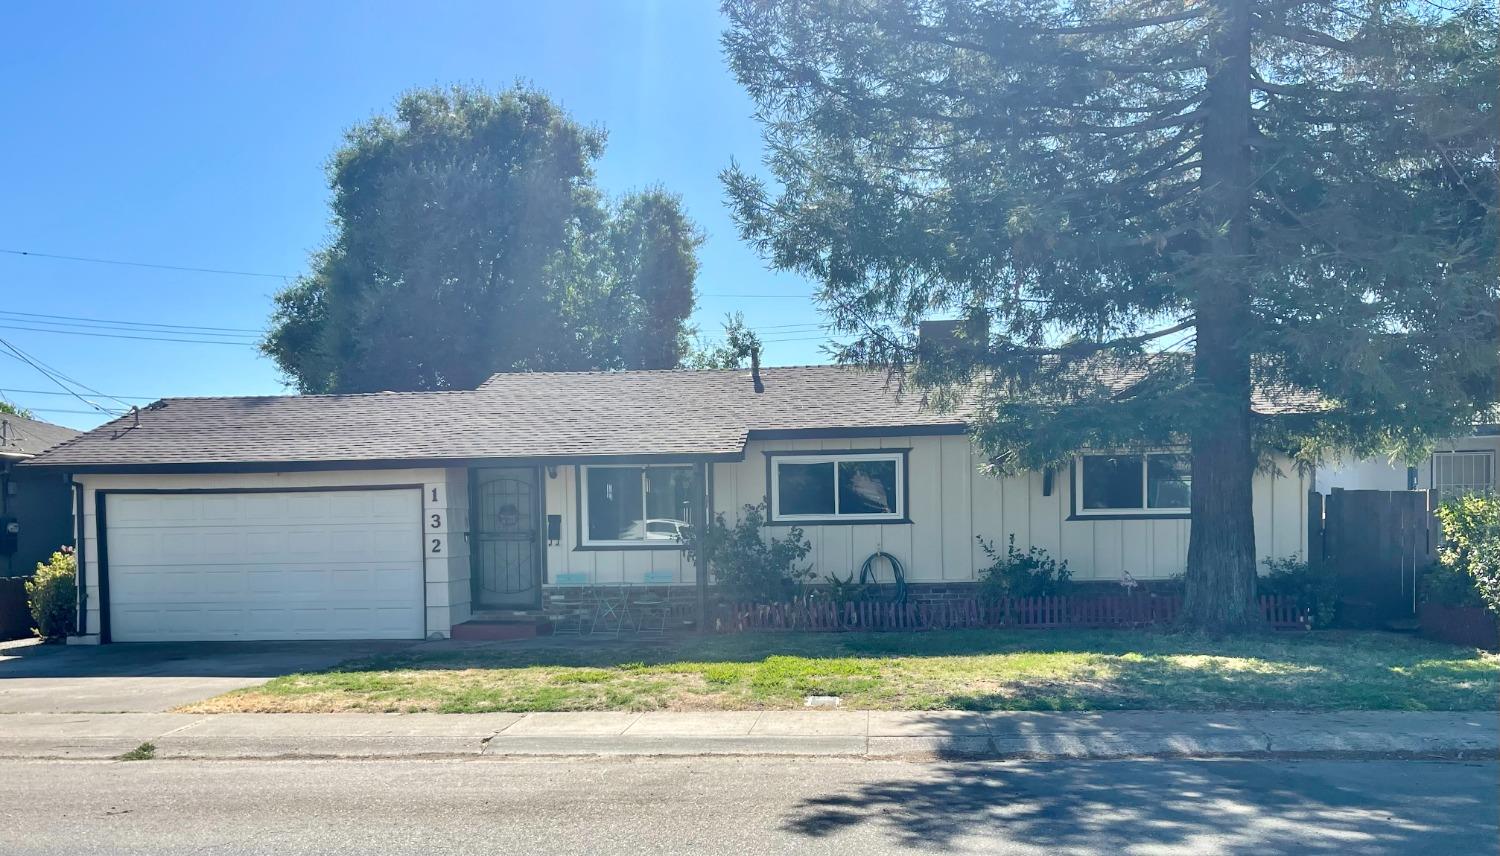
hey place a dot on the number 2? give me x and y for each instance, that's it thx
(437, 545)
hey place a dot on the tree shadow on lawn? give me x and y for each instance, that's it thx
(1187, 806)
(1120, 670)
(1321, 649)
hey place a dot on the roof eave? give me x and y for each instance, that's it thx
(206, 467)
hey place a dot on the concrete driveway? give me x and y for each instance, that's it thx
(151, 677)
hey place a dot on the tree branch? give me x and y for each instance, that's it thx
(1128, 24)
(1305, 36)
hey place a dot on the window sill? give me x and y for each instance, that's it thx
(644, 545)
(1132, 515)
(841, 521)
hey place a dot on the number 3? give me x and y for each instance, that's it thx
(437, 521)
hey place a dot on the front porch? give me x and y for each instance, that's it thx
(583, 547)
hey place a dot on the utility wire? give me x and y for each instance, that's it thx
(155, 265)
(142, 328)
(124, 336)
(55, 392)
(74, 381)
(61, 410)
(20, 355)
(134, 323)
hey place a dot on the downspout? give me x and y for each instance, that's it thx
(81, 576)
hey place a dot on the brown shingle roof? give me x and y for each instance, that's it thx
(533, 415)
(20, 436)
(521, 415)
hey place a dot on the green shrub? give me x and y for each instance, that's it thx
(1449, 586)
(842, 590)
(1471, 543)
(748, 563)
(53, 595)
(1315, 587)
(1033, 573)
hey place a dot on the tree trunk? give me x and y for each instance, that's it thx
(1221, 550)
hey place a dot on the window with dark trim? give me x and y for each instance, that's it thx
(1138, 483)
(633, 505)
(838, 487)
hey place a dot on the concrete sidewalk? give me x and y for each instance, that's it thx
(861, 734)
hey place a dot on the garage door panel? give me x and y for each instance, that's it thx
(362, 542)
(305, 565)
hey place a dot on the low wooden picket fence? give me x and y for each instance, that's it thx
(1282, 613)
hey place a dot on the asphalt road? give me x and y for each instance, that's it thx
(747, 806)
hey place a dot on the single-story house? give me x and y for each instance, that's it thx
(1455, 467)
(404, 514)
(36, 508)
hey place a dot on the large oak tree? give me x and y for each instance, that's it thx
(469, 238)
(1144, 210)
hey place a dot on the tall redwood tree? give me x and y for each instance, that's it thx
(1154, 215)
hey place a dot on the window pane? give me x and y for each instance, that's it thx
(614, 496)
(804, 488)
(867, 487)
(1112, 481)
(668, 492)
(1457, 473)
(1169, 481)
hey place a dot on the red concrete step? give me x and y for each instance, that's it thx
(506, 627)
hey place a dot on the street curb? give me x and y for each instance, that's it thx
(949, 735)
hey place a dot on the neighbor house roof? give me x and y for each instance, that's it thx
(21, 437)
(535, 415)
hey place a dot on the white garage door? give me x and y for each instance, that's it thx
(285, 565)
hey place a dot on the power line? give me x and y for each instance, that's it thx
(124, 336)
(136, 323)
(55, 372)
(21, 355)
(55, 392)
(140, 328)
(61, 410)
(752, 294)
(155, 265)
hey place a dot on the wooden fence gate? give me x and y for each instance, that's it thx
(1376, 542)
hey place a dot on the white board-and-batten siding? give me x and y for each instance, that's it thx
(950, 504)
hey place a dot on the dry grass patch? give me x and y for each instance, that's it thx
(967, 670)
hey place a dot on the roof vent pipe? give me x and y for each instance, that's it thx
(755, 369)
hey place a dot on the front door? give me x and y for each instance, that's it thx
(507, 538)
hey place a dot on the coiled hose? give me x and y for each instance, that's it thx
(867, 575)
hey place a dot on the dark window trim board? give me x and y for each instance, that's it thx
(1075, 517)
(905, 519)
(858, 433)
(580, 547)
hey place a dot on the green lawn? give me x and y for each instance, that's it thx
(966, 669)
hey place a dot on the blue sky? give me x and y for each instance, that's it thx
(194, 134)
